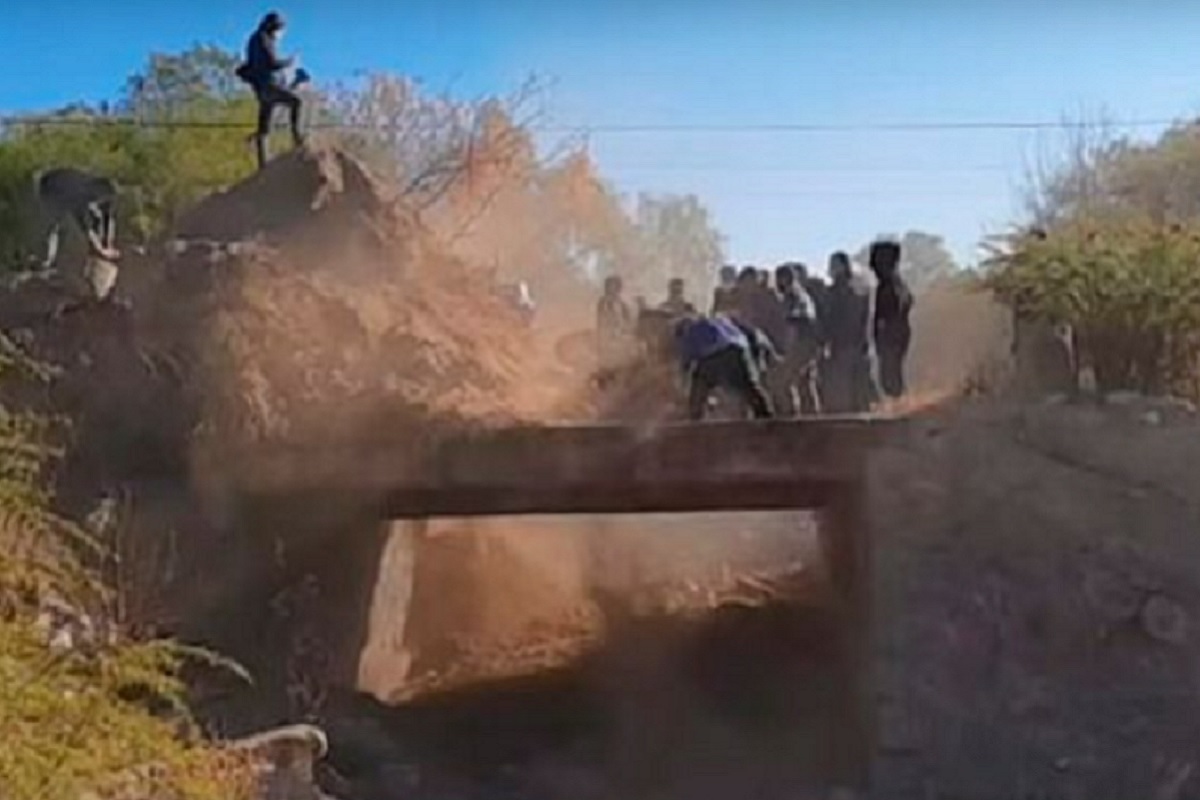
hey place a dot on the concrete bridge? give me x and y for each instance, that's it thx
(592, 469)
(817, 464)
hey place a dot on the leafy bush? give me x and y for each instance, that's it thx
(1129, 288)
(75, 697)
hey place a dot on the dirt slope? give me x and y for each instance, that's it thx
(305, 301)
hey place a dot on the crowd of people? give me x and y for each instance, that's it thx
(786, 342)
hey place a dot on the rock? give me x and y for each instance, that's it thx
(360, 742)
(1111, 594)
(1123, 398)
(1164, 620)
(1173, 777)
(290, 754)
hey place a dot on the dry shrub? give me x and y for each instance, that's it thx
(82, 709)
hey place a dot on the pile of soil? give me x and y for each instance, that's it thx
(1036, 602)
(306, 303)
(315, 308)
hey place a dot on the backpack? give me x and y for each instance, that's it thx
(243, 73)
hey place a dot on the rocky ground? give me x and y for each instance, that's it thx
(1036, 602)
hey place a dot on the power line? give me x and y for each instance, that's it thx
(630, 128)
(883, 127)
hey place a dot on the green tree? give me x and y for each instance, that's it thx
(184, 85)
(1129, 289)
(163, 166)
(1110, 248)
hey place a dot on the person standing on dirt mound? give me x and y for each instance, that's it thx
(893, 304)
(719, 352)
(264, 71)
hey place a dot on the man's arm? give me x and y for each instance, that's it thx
(273, 58)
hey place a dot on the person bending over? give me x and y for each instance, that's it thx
(719, 352)
(66, 193)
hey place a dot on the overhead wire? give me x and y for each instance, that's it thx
(621, 128)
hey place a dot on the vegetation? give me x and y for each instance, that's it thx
(76, 697)
(1114, 252)
(1129, 288)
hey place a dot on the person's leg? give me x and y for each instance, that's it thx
(835, 383)
(700, 386)
(266, 107)
(806, 388)
(108, 226)
(52, 240)
(901, 358)
(780, 379)
(891, 378)
(740, 373)
(806, 354)
(294, 105)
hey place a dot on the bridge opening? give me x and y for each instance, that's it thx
(759, 698)
(671, 655)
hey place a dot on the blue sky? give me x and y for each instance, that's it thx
(776, 195)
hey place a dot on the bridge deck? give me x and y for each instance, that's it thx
(578, 469)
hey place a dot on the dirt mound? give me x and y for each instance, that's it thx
(304, 303)
(1037, 602)
(287, 197)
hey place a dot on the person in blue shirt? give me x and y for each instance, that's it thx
(717, 352)
(264, 70)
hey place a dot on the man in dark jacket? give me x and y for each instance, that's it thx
(846, 371)
(263, 70)
(893, 304)
(719, 352)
